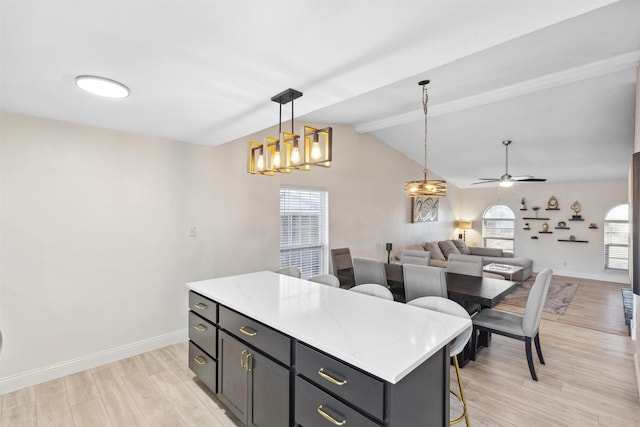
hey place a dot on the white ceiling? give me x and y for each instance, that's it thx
(556, 77)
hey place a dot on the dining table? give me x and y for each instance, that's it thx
(462, 288)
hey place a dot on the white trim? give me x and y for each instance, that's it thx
(48, 373)
(595, 69)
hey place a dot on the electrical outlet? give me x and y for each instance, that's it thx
(192, 231)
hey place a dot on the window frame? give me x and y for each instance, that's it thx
(306, 245)
(607, 252)
(511, 219)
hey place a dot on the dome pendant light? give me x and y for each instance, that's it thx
(425, 187)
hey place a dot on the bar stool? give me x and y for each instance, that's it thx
(444, 305)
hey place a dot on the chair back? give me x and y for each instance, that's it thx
(535, 302)
(374, 290)
(424, 281)
(415, 256)
(471, 265)
(341, 259)
(326, 279)
(289, 271)
(366, 270)
(444, 305)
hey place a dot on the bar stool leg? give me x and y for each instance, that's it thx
(461, 398)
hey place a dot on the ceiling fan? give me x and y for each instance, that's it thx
(507, 180)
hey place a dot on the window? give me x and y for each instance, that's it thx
(498, 228)
(616, 238)
(304, 230)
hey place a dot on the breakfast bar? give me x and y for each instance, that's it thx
(281, 351)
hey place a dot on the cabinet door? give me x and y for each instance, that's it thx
(269, 392)
(233, 386)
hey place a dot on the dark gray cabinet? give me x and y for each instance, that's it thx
(203, 339)
(253, 387)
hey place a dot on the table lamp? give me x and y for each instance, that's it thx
(464, 226)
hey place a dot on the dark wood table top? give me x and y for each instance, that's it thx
(486, 291)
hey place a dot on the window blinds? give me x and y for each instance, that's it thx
(304, 233)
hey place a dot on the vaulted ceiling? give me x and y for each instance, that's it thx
(556, 77)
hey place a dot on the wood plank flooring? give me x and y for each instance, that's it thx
(588, 380)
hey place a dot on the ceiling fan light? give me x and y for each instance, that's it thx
(506, 184)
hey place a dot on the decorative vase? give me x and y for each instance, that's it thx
(545, 227)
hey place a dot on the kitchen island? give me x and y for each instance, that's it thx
(283, 351)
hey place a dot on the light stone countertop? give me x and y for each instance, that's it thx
(384, 338)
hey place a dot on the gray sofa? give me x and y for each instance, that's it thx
(439, 252)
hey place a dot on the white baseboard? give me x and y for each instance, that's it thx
(48, 373)
(636, 364)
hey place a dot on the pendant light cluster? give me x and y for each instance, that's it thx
(312, 147)
(425, 187)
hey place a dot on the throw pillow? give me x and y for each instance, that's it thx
(435, 251)
(462, 247)
(447, 247)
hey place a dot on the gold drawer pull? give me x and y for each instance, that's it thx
(200, 306)
(330, 418)
(329, 378)
(199, 327)
(200, 360)
(248, 331)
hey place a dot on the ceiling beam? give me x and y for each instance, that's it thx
(572, 75)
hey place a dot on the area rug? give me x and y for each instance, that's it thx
(558, 297)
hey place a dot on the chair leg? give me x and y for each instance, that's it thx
(527, 347)
(536, 340)
(462, 399)
(474, 342)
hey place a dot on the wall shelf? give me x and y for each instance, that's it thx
(541, 219)
(545, 232)
(573, 241)
(552, 209)
(577, 219)
(562, 228)
(534, 237)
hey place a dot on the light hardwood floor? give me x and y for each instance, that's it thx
(588, 380)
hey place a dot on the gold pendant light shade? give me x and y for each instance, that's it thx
(312, 147)
(425, 187)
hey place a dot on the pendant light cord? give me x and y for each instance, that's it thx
(425, 100)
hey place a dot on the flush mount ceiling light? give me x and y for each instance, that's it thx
(102, 86)
(313, 147)
(425, 187)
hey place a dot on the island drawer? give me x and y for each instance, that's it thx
(203, 306)
(316, 408)
(348, 383)
(254, 333)
(203, 365)
(202, 333)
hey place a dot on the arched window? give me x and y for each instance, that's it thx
(498, 228)
(616, 238)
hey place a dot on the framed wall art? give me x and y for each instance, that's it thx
(424, 209)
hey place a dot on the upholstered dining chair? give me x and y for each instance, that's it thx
(471, 265)
(366, 270)
(423, 281)
(326, 279)
(289, 271)
(374, 290)
(415, 256)
(444, 305)
(523, 328)
(342, 266)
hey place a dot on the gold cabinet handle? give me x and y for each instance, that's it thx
(247, 362)
(330, 418)
(329, 378)
(242, 359)
(248, 331)
(200, 306)
(200, 360)
(199, 327)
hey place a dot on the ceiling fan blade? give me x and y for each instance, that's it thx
(485, 181)
(532, 180)
(521, 177)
